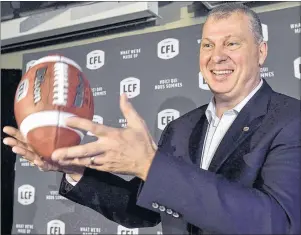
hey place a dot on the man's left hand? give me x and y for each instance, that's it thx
(127, 150)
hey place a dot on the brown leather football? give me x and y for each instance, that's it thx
(53, 89)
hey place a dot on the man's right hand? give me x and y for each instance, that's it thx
(20, 147)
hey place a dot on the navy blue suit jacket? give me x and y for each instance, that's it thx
(251, 187)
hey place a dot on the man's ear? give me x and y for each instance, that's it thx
(263, 52)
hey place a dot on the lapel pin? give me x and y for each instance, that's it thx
(246, 128)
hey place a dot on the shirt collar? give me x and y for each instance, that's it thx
(210, 111)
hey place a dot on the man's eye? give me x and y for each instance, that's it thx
(232, 44)
(207, 45)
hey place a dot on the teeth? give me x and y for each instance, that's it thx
(221, 72)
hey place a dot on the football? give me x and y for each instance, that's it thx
(51, 90)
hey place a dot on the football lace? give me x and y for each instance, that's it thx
(60, 85)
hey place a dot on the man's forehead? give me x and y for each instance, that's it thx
(234, 18)
(232, 25)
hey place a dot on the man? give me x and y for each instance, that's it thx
(232, 166)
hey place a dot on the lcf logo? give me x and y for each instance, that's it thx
(125, 231)
(56, 227)
(168, 48)
(202, 82)
(26, 194)
(95, 59)
(166, 116)
(297, 68)
(130, 86)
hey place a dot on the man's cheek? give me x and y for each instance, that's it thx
(204, 62)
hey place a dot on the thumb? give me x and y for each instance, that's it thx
(128, 111)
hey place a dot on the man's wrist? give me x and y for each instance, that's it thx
(146, 167)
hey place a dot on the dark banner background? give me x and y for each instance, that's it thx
(161, 73)
(9, 82)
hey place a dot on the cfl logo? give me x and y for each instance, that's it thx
(30, 64)
(168, 48)
(97, 119)
(125, 231)
(202, 82)
(297, 67)
(265, 32)
(130, 86)
(56, 227)
(166, 116)
(95, 59)
(26, 194)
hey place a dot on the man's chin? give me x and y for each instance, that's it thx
(219, 90)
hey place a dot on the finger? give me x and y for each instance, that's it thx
(83, 162)
(130, 114)
(13, 142)
(13, 132)
(81, 151)
(21, 149)
(106, 159)
(43, 166)
(28, 155)
(88, 125)
(99, 168)
(39, 162)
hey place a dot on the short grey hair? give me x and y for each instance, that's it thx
(225, 10)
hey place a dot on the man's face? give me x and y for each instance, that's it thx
(230, 56)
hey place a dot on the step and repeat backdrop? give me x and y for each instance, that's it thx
(160, 72)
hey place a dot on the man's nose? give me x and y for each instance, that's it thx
(218, 55)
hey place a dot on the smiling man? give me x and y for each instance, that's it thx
(229, 167)
(231, 53)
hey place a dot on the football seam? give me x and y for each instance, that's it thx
(49, 59)
(52, 118)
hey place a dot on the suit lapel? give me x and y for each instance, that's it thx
(237, 133)
(197, 138)
(248, 120)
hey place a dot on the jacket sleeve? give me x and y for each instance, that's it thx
(111, 196)
(211, 202)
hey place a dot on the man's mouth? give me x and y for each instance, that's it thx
(222, 72)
